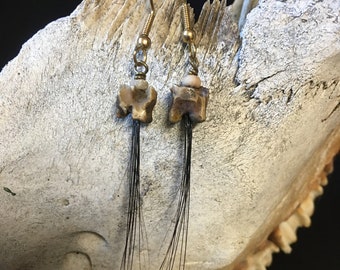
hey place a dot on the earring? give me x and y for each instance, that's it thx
(189, 106)
(138, 99)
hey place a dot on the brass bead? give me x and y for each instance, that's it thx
(188, 35)
(144, 42)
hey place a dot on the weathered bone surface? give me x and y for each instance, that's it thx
(139, 99)
(191, 98)
(272, 126)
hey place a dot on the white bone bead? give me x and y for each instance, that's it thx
(191, 81)
(140, 84)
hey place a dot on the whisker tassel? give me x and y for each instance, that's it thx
(180, 233)
(134, 218)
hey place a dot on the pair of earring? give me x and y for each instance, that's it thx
(189, 106)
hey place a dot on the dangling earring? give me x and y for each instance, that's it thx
(189, 106)
(138, 99)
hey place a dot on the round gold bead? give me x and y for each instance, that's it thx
(144, 42)
(188, 36)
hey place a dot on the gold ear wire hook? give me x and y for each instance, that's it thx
(149, 21)
(188, 34)
(143, 44)
(188, 37)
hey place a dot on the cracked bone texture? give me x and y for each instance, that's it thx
(138, 99)
(272, 124)
(188, 100)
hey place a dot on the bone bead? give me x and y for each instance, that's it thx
(188, 100)
(191, 81)
(140, 84)
(138, 99)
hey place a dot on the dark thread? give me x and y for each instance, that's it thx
(180, 233)
(134, 233)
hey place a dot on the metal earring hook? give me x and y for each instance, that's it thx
(189, 36)
(151, 17)
(143, 44)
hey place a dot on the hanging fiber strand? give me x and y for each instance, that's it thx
(135, 237)
(176, 253)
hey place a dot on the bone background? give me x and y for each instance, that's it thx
(317, 247)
